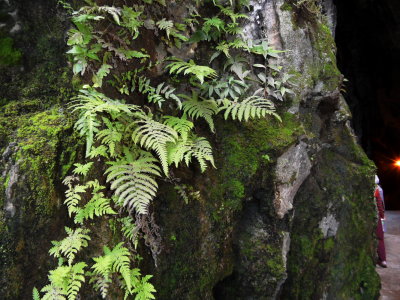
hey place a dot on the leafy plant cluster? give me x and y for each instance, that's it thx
(150, 130)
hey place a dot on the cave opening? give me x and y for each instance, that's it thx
(368, 52)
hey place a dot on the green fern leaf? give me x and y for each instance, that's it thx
(35, 294)
(166, 25)
(82, 169)
(204, 109)
(129, 229)
(200, 72)
(213, 22)
(194, 146)
(144, 289)
(91, 103)
(97, 206)
(98, 151)
(69, 246)
(72, 195)
(251, 107)
(133, 181)
(131, 20)
(101, 73)
(76, 278)
(180, 125)
(114, 261)
(111, 136)
(153, 135)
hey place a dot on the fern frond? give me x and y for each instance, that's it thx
(73, 198)
(251, 107)
(111, 136)
(99, 151)
(200, 72)
(100, 74)
(90, 103)
(97, 206)
(193, 146)
(76, 278)
(154, 135)
(69, 246)
(133, 182)
(166, 25)
(157, 95)
(65, 282)
(35, 294)
(82, 169)
(144, 289)
(204, 109)
(213, 22)
(129, 229)
(131, 20)
(53, 292)
(114, 261)
(180, 125)
(100, 283)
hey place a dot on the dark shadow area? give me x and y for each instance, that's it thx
(368, 41)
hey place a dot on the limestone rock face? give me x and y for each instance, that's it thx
(298, 225)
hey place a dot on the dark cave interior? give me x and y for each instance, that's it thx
(368, 42)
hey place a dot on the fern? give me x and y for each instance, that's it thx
(204, 109)
(213, 22)
(111, 136)
(180, 125)
(253, 106)
(97, 206)
(144, 289)
(153, 135)
(99, 151)
(82, 169)
(35, 294)
(100, 283)
(131, 20)
(193, 146)
(65, 281)
(129, 229)
(90, 103)
(72, 195)
(101, 73)
(133, 181)
(114, 261)
(69, 246)
(166, 25)
(76, 278)
(157, 95)
(200, 72)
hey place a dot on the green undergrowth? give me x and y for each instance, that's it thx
(9, 55)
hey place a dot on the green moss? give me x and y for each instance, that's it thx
(38, 140)
(241, 156)
(286, 7)
(9, 56)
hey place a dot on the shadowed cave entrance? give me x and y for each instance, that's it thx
(368, 42)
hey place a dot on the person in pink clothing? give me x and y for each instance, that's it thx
(378, 194)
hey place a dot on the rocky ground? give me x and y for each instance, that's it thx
(391, 275)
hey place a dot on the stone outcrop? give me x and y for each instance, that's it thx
(287, 214)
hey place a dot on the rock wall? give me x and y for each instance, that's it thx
(287, 214)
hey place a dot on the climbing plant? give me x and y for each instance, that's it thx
(151, 128)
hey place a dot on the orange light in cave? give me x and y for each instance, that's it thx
(397, 163)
